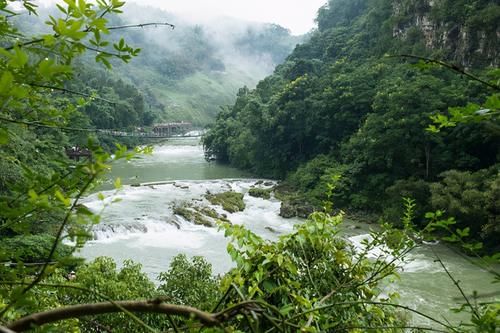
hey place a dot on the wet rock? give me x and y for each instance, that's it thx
(260, 182)
(268, 183)
(304, 210)
(230, 201)
(174, 223)
(294, 208)
(199, 215)
(271, 229)
(260, 193)
(193, 216)
(353, 227)
(287, 210)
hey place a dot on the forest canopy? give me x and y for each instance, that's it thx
(352, 101)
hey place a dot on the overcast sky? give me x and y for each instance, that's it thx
(296, 15)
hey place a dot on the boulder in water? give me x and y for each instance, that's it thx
(271, 229)
(260, 193)
(230, 201)
(287, 210)
(304, 210)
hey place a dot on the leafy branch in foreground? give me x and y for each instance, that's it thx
(40, 188)
(310, 280)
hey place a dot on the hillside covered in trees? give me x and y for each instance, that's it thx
(349, 102)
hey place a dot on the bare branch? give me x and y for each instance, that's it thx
(82, 310)
(378, 328)
(41, 274)
(457, 284)
(407, 308)
(41, 125)
(454, 68)
(64, 90)
(31, 42)
(87, 290)
(14, 15)
(155, 24)
(4, 329)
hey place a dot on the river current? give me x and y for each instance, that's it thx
(142, 226)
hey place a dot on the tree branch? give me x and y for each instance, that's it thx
(4, 329)
(86, 290)
(64, 90)
(81, 310)
(378, 328)
(457, 284)
(31, 42)
(40, 125)
(141, 25)
(454, 68)
(40, 274)
(407, 308)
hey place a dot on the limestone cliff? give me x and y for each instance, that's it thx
(446, 26)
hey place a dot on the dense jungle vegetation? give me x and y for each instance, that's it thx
(347, 102)
(335, 106)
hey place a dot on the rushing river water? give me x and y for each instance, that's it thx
(142, 226)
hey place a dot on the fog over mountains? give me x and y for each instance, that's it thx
(188, 72)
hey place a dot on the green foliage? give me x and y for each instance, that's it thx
(31, 248)
(337, 95)
(487, 113)
(312, 277)
(126, 107)
(190, 282)
(40, 188)
(101, 277)
(311, 182)
(364, 118)
(417, 189)
(471, 198)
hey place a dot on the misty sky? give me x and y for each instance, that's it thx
(296, 15)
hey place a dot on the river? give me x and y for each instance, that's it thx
(142, 226)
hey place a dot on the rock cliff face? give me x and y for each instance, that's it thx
(445, 25)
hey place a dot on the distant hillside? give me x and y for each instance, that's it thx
(339, 105)
(187, 73)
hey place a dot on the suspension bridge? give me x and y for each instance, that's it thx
(165, 130)
(157, 131)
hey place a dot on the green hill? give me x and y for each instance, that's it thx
(338, 104)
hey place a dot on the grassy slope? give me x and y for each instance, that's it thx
(196, 98)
